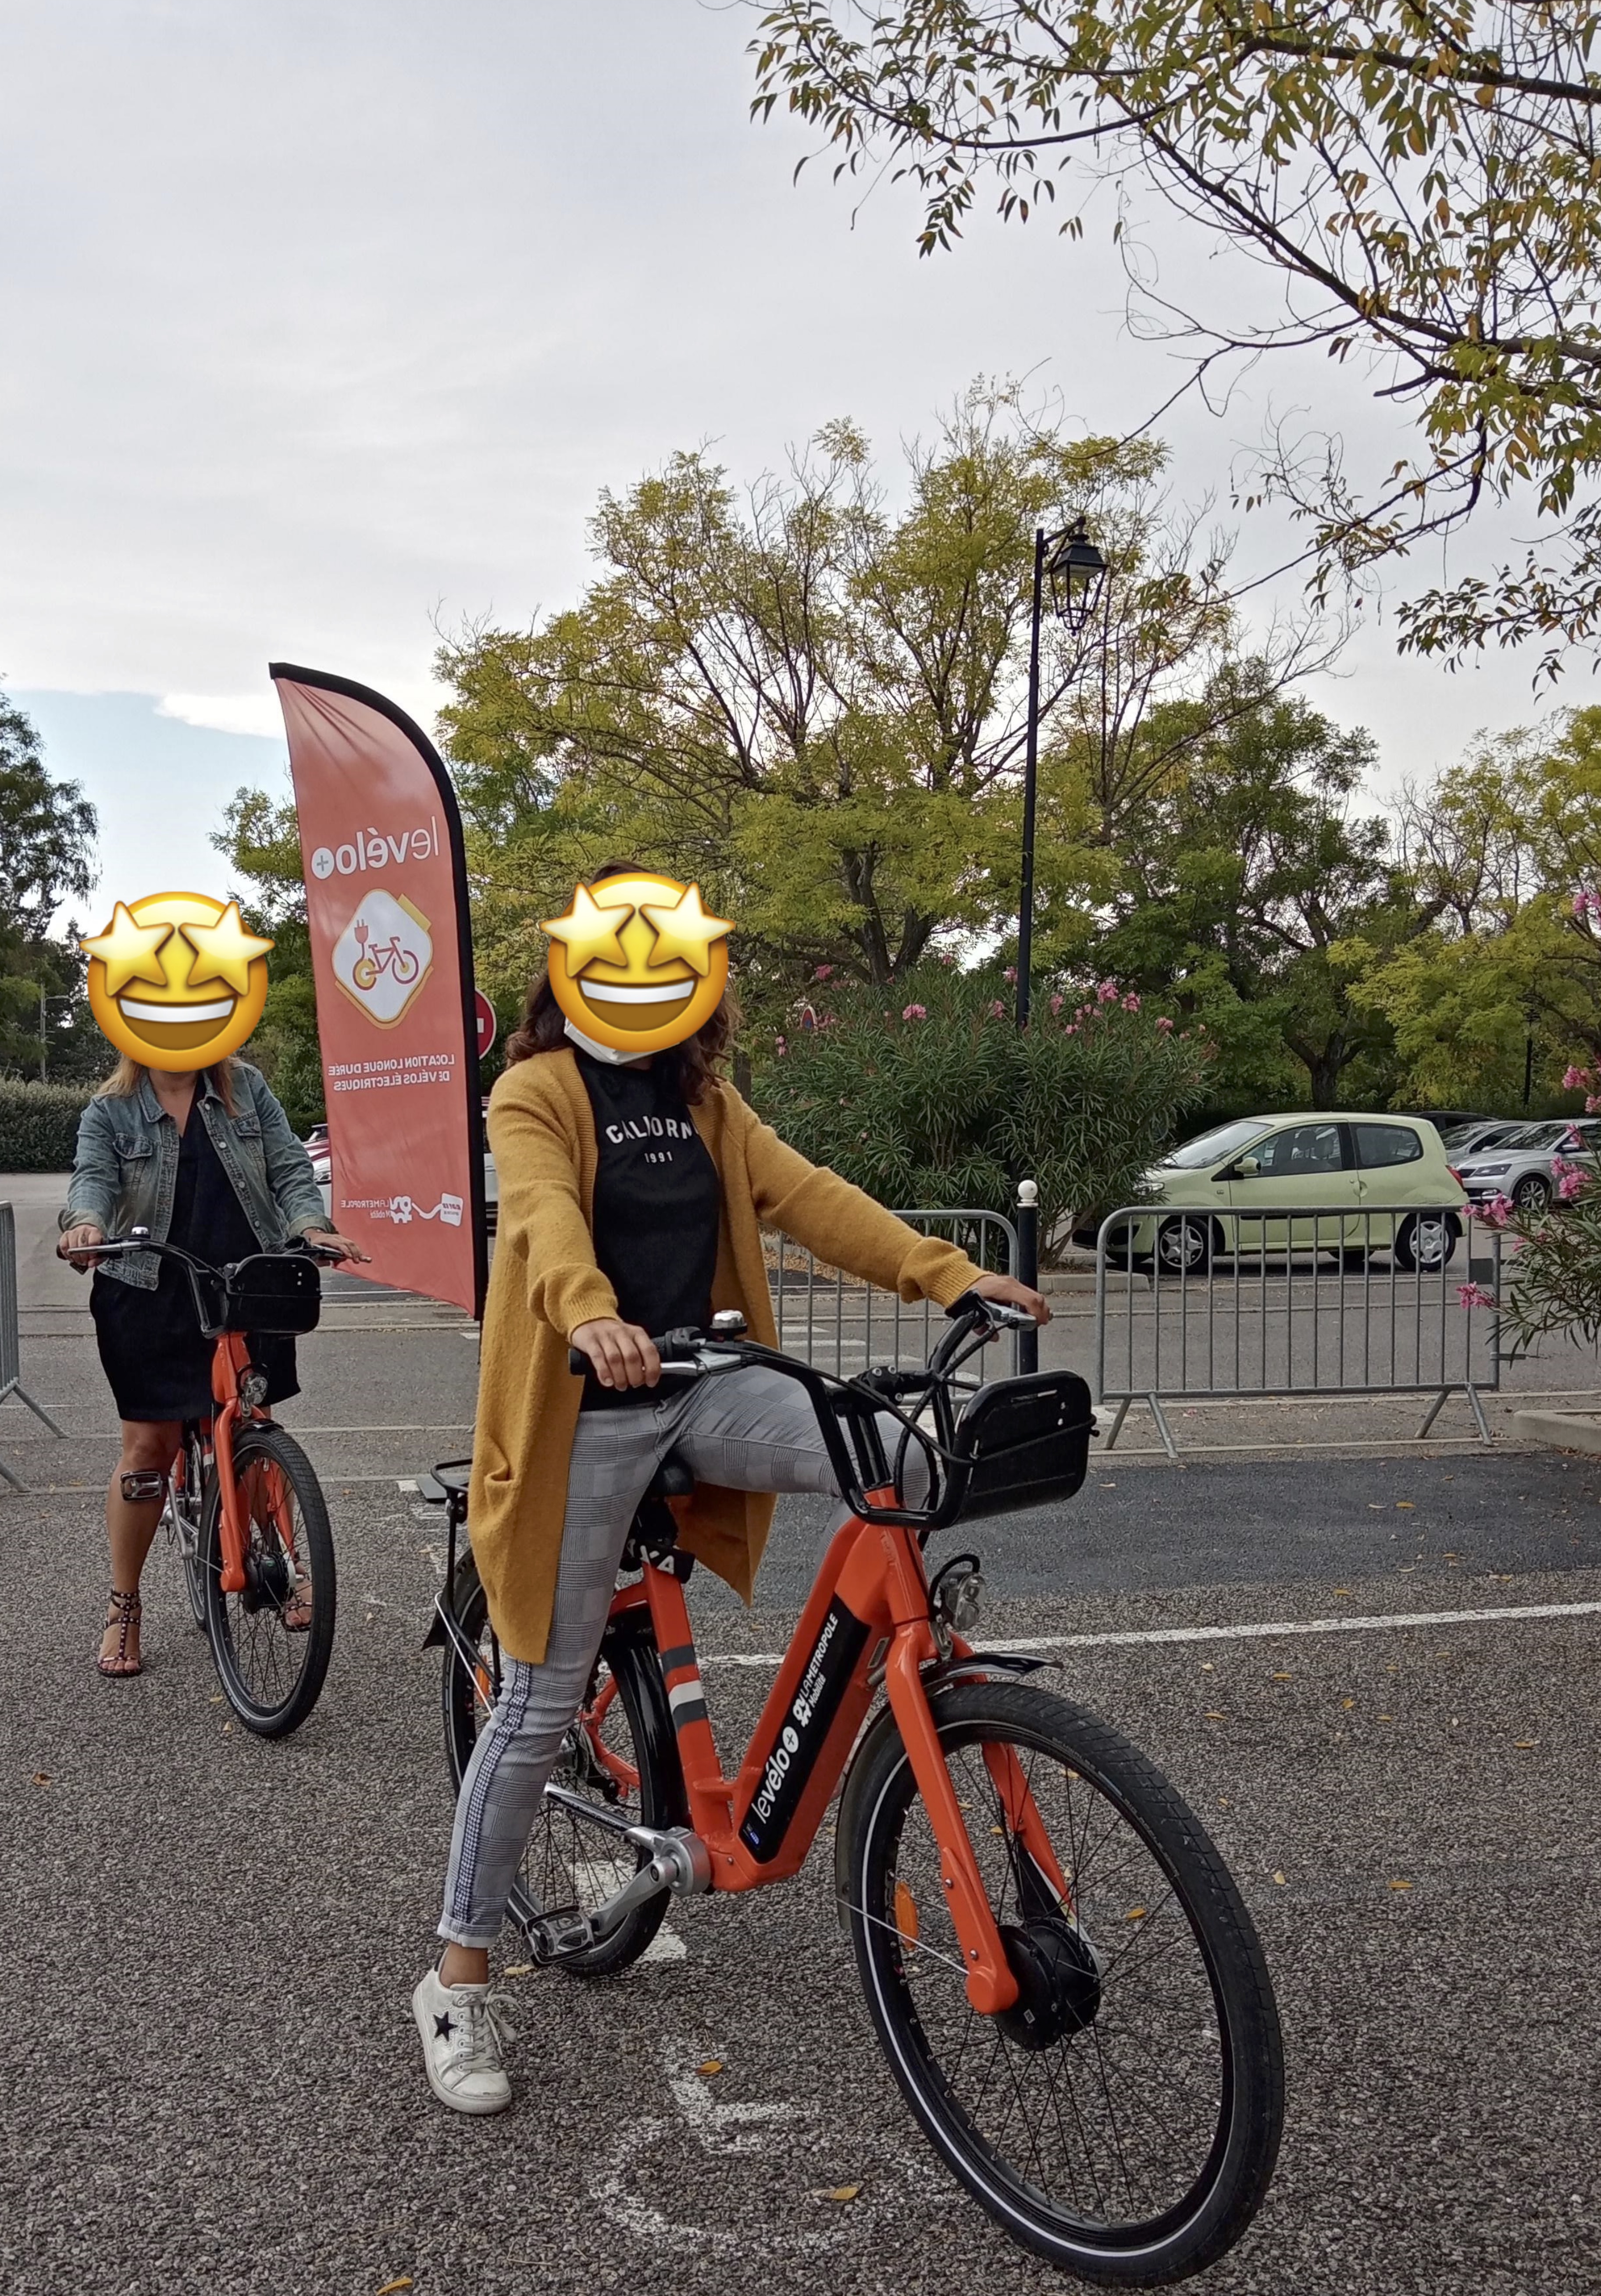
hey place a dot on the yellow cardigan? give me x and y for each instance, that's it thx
(545, 1283)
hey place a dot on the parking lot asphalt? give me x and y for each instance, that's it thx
(214, 2083)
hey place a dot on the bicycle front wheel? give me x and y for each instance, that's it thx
(271, 1643)
(1122, 2118)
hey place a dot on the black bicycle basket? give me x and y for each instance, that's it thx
(1027, 1442)
(271, 1291)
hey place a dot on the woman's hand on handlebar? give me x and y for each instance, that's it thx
(322, 1240)
(76, 1246)
(620, 1354)
(1014, 1295)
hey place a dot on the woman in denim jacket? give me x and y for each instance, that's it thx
(205, 1159)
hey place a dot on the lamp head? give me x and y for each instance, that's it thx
(1076, 571)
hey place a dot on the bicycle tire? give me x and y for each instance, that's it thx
(251, 1649)
(1222, 2005)
(190, 1496)
(558, 1842)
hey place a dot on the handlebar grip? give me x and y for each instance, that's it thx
(672, 1347)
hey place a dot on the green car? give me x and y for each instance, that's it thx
(1380, 1183)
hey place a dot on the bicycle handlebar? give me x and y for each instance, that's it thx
(856, 1405)
(113, 1246)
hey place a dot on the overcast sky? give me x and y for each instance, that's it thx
(325, 322)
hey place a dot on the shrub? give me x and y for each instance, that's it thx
(38, 1124)
(926, 1093)
(1551, 1281)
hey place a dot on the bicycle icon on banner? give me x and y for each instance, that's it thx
(377, 958)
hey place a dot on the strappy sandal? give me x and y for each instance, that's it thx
(123, 1612)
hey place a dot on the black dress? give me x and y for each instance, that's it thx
(153, 1352)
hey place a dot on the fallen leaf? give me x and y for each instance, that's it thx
(1134, 1913)
(1279, 1879)
(1213, 1715)
(842, 2193)
(1525, 1745)
(1375, 1506)
(41, 1778)
(1386, 1717)
(520, 1969)
(1283, 1677)
(712, 2065)
(1222, 1801)
(1400, 1885)
(1348, 1703)
(1207, 1667)
(1406, 1505)
(217, 1698)
(226, 1727)
(1342, 1590)
(391, 2287)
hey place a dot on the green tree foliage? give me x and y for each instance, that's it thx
(1500, 985)
(815, 705)
(46, 857)
(1423, 174)
(261, 839)
(1241, 876)
(934, 1099)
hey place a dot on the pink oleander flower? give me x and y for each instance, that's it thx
(1162, 1022)
(1010, 976)
(1474, 1295)
(998, 1011)
(1574, 1078)
(780, 1045)
(1131, 1003)
(1071, 1028)
(824, 972)
(1057, 1003)
(1498, 1211)
(945, 956)
(1572, 1183)
(1592, 1103)
(914, 1012)
(1106, 994)
(1585, 902)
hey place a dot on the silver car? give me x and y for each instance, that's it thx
(1485, 1132)
(1526, 1164)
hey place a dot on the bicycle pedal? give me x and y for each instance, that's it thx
(553, 1936)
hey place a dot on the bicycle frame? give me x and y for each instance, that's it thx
(869, 1603)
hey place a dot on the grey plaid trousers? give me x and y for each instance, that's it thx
(747, 1431)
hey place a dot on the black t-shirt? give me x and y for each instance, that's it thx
(657, 1205)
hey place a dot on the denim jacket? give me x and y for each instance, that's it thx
(126, 1168)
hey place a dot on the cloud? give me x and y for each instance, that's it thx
(225, 713)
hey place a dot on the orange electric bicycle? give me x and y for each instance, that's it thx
(240, 1502)
(1060, 1970)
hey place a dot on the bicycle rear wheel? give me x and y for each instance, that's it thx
(271, 1671)
(621, 1750)
(184, 1514)
(1122, 2118)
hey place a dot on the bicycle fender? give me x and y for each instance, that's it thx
(466, 1582)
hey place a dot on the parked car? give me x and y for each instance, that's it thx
(1466, 1139)
(1387, 1174)
(1526, 1162)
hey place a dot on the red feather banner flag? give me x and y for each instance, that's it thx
(392, 953)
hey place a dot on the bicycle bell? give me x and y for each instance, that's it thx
(728, 1323)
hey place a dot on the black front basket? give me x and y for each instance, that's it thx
(1027, 1441)
(271, 1291)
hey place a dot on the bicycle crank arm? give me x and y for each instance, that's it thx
(679, 1863)
(685, 1860)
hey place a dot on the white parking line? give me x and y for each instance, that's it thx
(1269, 1631)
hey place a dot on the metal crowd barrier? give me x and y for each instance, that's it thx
(843, 1324)
(1298, 1302)
(11, 1338)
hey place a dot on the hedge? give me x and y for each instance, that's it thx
(38, 1124)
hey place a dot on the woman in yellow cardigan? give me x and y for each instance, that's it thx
(632, 1197)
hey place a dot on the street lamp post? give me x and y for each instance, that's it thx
(1074, 570)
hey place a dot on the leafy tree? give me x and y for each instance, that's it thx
(46, 854)
(935, 1098)
(816, 705)
(1420, 174)
(1499, 988)
(1239, 881)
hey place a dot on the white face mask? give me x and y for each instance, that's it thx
(607, 1053)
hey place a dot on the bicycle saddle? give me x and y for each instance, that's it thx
(673, 1479)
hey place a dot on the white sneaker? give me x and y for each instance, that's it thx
(462, 2031)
